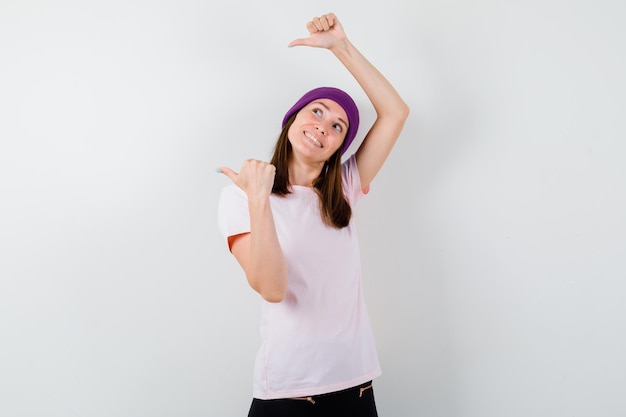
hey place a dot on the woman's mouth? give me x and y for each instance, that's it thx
(313, 139)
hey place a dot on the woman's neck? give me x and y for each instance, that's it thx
(304, 174)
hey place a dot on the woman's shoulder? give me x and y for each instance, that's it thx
(351, 179)
(349, 170)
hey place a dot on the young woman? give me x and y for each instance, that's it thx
(289, 225)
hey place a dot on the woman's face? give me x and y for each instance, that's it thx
(318, 130)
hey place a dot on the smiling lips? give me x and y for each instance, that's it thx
(313, 139)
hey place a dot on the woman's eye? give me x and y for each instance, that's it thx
(317, 111)
(337, 127)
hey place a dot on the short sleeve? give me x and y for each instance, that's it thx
(351, 180)
(233, 216)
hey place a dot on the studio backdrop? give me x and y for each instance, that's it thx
(493, 240)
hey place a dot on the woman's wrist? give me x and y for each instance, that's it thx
(342, 48)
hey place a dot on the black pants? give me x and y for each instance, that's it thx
(352, 402)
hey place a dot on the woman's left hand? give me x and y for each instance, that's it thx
(324, 32)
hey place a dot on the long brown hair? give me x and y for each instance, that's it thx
(334, 207)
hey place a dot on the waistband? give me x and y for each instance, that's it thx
(357, 390)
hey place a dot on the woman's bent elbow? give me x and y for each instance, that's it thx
(273, 297)
(404, 114)
(271, 292)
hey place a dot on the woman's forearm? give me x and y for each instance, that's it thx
(391, 111)
(266, 269)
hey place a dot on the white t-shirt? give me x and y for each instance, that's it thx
(319, 338)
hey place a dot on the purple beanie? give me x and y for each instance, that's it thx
(338, 96)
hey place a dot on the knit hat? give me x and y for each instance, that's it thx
(338, 96)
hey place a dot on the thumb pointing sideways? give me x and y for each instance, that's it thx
(228, 172)
(300, 42)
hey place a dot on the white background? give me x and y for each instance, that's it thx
(494, 240)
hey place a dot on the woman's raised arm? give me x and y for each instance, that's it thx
(391, 111)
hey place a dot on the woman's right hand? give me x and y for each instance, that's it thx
(256, 178)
